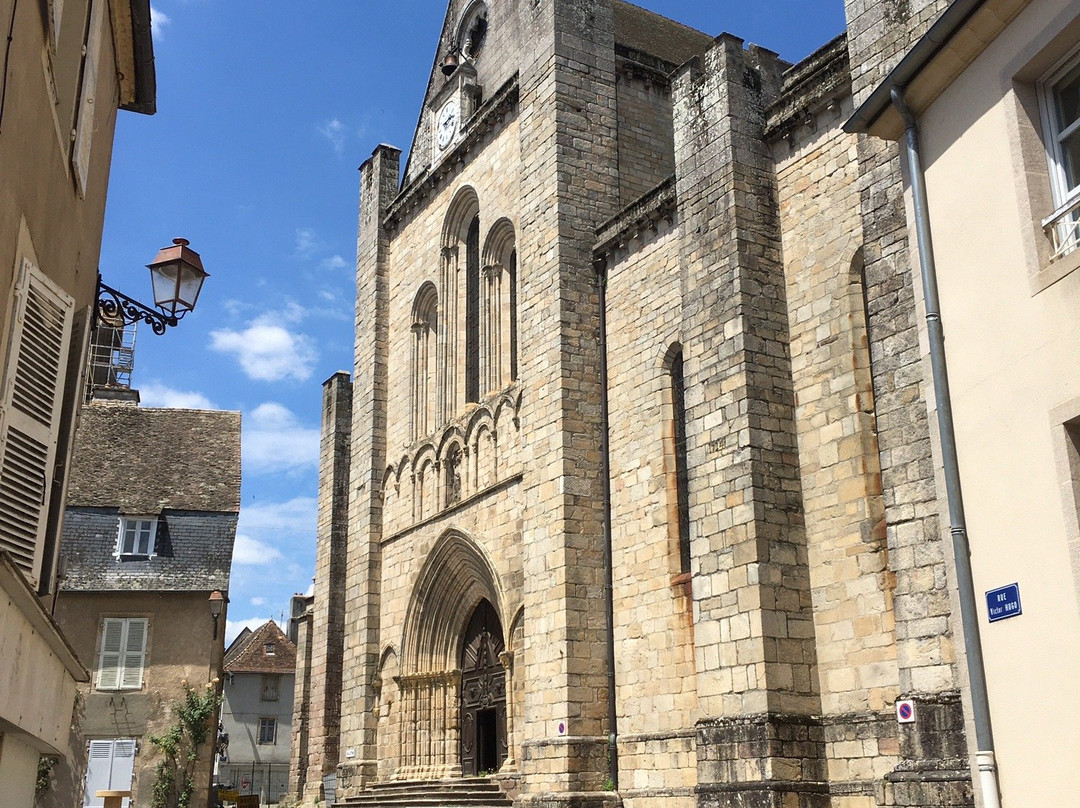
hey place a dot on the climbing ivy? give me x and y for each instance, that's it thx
(174, 776)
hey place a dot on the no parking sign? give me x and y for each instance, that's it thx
(905, 711)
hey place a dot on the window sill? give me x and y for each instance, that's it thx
(1054, 271)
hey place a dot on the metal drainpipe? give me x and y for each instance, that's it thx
(980, 705)
(609, 574)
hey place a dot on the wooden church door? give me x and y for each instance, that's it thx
(483, 694)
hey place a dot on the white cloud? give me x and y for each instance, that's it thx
(156, 394)
(158, 20)
(267, 352)
(258, 601)
(294, 517)
(234, 627)
(254, 553)
(333, 262)
(310, 590)
(308, 242)
(274, 440)
(334, 131)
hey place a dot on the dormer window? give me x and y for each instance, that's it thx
(137, 534)
(268, 649)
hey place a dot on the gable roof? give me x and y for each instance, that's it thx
(656, 35)
(143, 460)
(250, 655)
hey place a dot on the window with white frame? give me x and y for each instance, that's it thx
(137, 535)
(123, 653)
(267, 731)
(1060, 101)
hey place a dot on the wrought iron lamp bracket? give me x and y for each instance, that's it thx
(115, 308)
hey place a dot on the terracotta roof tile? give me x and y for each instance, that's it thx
(253, 655)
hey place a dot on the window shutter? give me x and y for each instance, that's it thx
(123, 766)
(31, 402)
(84, 124)
(98, 772)
(134, 651)
(110, 765)
(112, 641)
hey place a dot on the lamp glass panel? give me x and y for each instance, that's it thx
(166, 286)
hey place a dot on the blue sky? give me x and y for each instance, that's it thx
(265, 112)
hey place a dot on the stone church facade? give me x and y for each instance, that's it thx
(630, 495)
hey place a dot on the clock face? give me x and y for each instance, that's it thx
(446, 125)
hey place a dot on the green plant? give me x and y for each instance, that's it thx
(174, 780)
(45, 766)
(609, 784)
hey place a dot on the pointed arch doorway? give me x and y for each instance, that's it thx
(483, 693)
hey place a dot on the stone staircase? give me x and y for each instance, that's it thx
(469, 792)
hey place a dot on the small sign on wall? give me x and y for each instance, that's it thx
(560, 727)
(905, 711)
(1003, 602)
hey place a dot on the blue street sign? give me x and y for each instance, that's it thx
(1003, 602)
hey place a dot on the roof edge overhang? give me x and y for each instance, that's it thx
(134, 44)
(962, 32)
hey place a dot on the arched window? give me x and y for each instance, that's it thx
(459, 357)
(513, 316)
(424, 368)
(472, 311)
(473, 32)
(678, 470)
(499, 347)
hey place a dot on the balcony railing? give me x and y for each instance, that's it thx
(1062, 227)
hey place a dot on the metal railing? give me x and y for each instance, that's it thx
(1062, 227)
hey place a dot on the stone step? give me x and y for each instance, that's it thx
(472, 792)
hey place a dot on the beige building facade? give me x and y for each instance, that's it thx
(68, 67)
(632, 493)
(993, 109)
(148, 548)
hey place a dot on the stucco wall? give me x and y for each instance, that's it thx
(180, 649)
(240, 714)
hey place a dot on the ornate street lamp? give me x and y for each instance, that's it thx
(217, 602)
(177, 275)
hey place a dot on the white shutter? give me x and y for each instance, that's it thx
(123, 767)
(110, 765)
(98, 772)
(31, 403)
(84, 124)
(112, 643)
(134, 651)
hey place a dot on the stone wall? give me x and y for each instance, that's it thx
(646, 149)
(879, 34)
(818, 190)
(654, 624)
(324, 627)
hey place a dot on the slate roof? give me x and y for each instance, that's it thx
(247, 654)
(656, 35)
(143, 460)
(180, 466)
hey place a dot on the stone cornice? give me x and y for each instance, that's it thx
(821, 79)
(644, 212)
